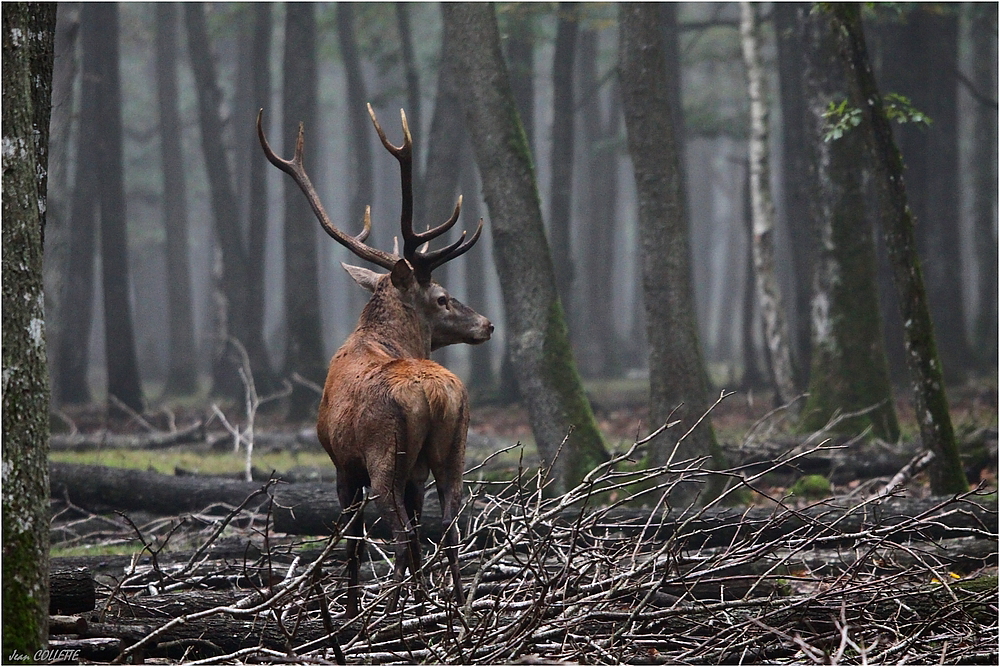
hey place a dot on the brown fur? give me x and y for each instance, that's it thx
(390, 416)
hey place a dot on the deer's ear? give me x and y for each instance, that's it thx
(402, 275)
(364, 277)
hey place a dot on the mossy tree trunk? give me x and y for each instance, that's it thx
(769, 295)
(849, 368)
(930, 401)
(541, 356)
(28, 37)
(677, 377)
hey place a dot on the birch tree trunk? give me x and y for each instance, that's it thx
(677, 377)
(541, 356)
(768, 291)
(28, 36)
(930, 401)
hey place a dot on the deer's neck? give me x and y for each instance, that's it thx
(387, 320)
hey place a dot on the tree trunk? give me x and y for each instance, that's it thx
(919, 61)
(482, 379)
(182, 377)
(519, 51)
(930, 401)
(601, 355)
(228, 234)
(850, 372)
(797, 177)
(414, 113)
(519, 48)
(444, 145)
(753, 376)
(357, 97)
(77, 298)
(984, 179)
(539, 343)
(768, 291)
(677, 375)
(260, 55)
(28, 37)
(563, 106)
(119, 339)
(58, 228)
(304, 340)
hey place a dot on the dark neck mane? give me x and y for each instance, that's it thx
(394, 324)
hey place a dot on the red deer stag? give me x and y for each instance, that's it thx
(389, 415)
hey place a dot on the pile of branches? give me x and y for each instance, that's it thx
(568, 579)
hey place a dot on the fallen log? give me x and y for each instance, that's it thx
(312, 509)
(84, 442)
(850, 458)
(71, 591)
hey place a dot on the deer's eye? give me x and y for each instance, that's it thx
(442, 301)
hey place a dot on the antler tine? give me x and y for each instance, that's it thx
(436, 258)
(296, 169)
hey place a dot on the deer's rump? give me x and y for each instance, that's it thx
(399, 401)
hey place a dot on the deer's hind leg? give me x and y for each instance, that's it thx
(350, 492)
(448, 472)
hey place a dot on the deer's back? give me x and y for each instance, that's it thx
(374, 404)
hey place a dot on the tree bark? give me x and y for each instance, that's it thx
(539, 343)
(28, 37)
(920, 61)
(260, 55)
(414, 112)
(77, 298)
(303, 335)
(930, 401)
(563, 106)
(797, 177)
(357, 97)
(482, 379)
(676, 373)
(769, 294)
(519, 48)
(71, 591)
(984, 179)
(225, 211)
(119, 339)
(182, 377)
(57, 244)
(601, 355)
(849, 372)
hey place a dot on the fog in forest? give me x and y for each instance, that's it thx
(606, 321)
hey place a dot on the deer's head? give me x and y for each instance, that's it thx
(445, 320)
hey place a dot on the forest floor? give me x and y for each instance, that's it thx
(854, 573)
(620, 408)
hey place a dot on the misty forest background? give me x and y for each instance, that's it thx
(157, 308)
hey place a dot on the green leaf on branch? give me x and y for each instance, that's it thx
(841, 117)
